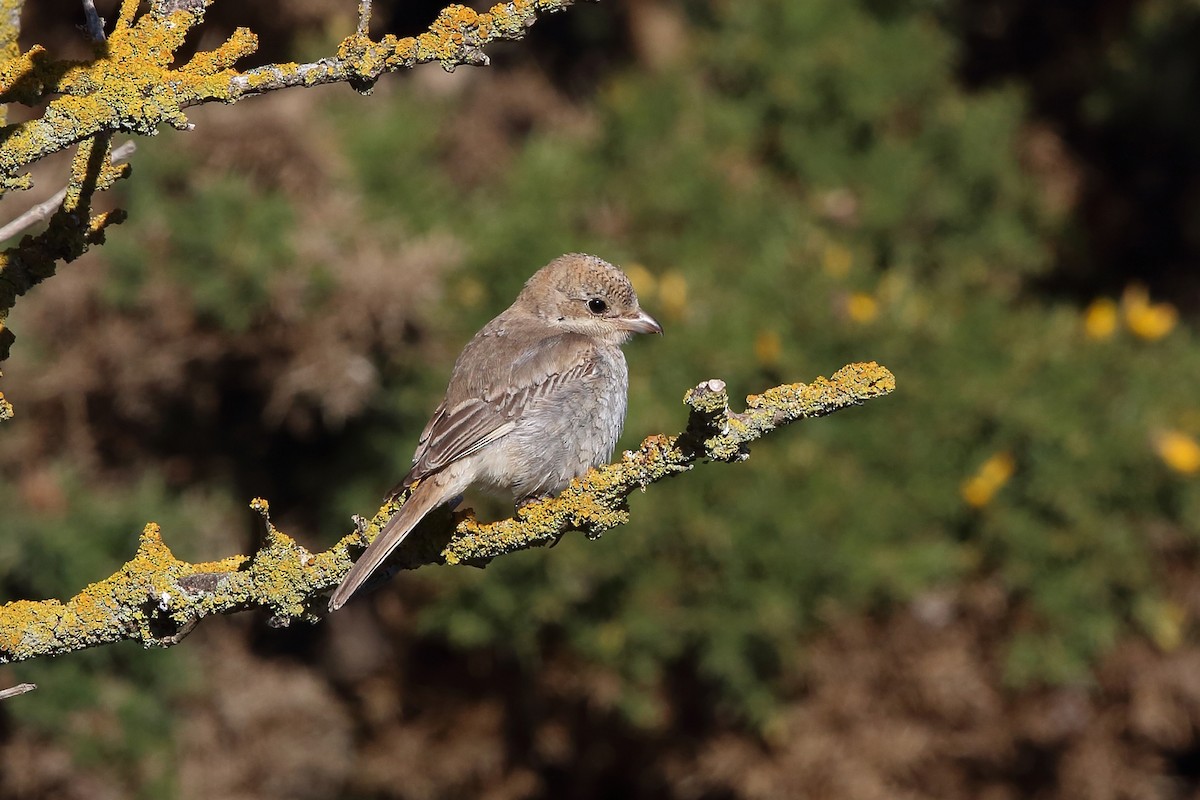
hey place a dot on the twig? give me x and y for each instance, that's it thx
(95, 23)
(364, 17)
(13, 691)
(43, 210)
(137, 86)
(456, 37)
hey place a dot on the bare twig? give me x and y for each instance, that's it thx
(43, 210)
(364, 17)
(94, 26)
(13, 691)
(157, 599)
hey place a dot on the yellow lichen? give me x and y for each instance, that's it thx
(595, 502)
(19, 75)
(132, 86)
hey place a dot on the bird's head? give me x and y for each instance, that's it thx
(587, 295)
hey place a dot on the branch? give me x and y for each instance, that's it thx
(72, 230)
(132, 86)
(19, 689)
(43, 209)
(6, 408)
(10, 29)
(95, 23)
(157, 599)
(364, 18)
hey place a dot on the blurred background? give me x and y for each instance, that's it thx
(986, 585)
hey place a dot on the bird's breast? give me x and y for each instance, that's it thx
(567, 431)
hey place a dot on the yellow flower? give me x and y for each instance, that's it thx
(1144, 319)
(672, 294)
(979, 489)
(1178, 451)
(862, 308)
(469, 292)
(1166, 626)
(836, 260)
(611, 637)
(642, 279)
(767, 347)
(1100, 319)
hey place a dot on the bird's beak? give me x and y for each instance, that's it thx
(642, 323)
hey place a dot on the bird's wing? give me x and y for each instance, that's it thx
(490, 392)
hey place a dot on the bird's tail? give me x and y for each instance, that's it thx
(427, 496)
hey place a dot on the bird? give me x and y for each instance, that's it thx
(536, 398)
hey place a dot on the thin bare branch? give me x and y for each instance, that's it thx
(94, 25)
(43, 210)
(13, 691)
(364, 18)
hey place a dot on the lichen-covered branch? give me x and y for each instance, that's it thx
(72, 229)
(157, 599)
(44, 209)
(6, 409)
(10, 29)
(134, 84)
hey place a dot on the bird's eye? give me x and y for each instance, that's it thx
(597, 306)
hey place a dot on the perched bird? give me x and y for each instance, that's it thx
(536, 398)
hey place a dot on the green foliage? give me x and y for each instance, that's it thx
(213, 235)
(813, 181)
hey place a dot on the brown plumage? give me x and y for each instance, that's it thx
(535, 399)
